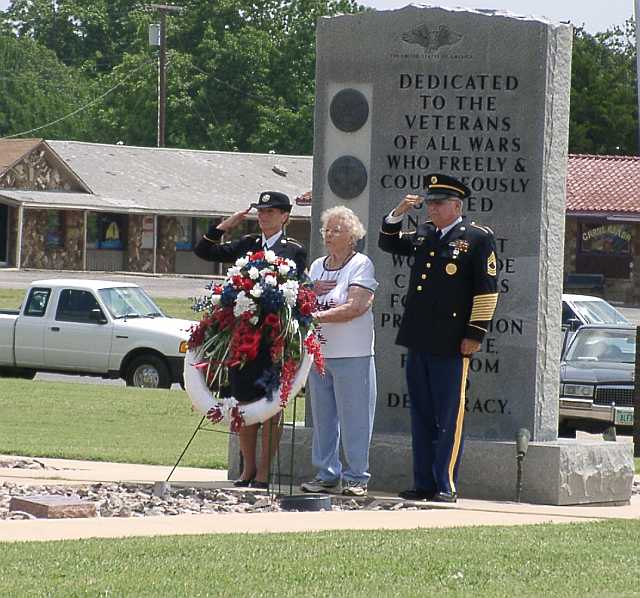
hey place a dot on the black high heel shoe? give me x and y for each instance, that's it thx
(243, 483)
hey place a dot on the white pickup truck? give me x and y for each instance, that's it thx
(93, 327)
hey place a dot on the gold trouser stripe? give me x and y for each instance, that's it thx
(458, 433)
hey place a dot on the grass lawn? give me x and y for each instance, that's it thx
(577, 560)
(102, 422)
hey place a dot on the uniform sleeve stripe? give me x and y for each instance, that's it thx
(392, 234)
(484, 307)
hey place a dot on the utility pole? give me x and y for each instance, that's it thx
(636, 18)
(162, 10)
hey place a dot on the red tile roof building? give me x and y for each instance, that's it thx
(603, 185)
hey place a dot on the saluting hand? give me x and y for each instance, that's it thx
(233, 221)
(409, 202)
(468, 347)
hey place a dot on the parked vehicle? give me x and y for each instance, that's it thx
(597, 378)
(585, 309)
(93, 327)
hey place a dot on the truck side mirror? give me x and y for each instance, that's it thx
(97, 316)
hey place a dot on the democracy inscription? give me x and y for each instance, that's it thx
(465, 94)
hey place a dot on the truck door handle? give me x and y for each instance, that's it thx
(55, 328)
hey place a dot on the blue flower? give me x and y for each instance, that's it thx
(271, 299)
(228, 297)
(269, 381)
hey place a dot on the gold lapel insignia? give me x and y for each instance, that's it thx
(492, 269)
(451, 269)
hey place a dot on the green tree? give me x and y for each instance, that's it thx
(36, 88)
(604, 111)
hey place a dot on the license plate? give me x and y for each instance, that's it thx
(623, 417)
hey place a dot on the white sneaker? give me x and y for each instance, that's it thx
(354, 488)
(319, 485)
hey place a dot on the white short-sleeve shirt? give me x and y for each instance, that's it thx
(354, 338)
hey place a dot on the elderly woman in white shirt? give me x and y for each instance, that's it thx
(343, 400)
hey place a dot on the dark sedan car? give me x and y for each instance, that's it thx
(596, 377)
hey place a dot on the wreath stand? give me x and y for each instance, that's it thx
(305, 502)
(288, 501)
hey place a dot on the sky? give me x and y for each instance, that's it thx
(594, 15)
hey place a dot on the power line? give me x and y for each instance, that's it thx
(91, 103)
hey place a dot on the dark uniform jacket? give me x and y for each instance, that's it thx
(209, 248)
(452, 293)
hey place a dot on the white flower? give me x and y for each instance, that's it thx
(270, 279)
(241, 262)
(243, 304)
(215, 299)
(295, 324)
(254, 320)
(256, 291)
(270, 256)
(291, 263)
(233, 271)
(290, 291)
(283, 269)
(227, 405)
(254, 273)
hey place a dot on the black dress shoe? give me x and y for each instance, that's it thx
(242, 483)
(260, 485)
(415, 494)
(445, 497)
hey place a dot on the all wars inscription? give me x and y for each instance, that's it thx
(469, 95)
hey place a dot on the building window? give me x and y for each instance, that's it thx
(55, 230)
(185, 233)
(106, 231)
(606, 238)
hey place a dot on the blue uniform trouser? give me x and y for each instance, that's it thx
(436, 386)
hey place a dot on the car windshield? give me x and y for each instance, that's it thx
(129, 302)
(603, 345)
(598, 312)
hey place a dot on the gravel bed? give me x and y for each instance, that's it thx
(147, 500)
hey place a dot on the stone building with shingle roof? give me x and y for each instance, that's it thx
(70, 205)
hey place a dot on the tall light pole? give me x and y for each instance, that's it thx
(162, 10)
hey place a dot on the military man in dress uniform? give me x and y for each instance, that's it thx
(273, 213)
(451, 299)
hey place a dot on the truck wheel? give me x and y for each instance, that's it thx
(148, 371)
(24, 373)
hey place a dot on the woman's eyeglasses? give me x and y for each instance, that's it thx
(335, 230)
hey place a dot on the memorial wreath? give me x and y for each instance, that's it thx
(255, 342)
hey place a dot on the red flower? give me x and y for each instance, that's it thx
(312, 346)
(307, 301)
(237, 281)
(258, 255)
(247, 284)
(214, 415)
(289, 368)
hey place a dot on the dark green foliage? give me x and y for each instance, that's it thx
(604, 111)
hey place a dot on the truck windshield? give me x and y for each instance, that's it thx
(129, 302)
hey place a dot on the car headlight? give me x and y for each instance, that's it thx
(184, 345)
(578, 390)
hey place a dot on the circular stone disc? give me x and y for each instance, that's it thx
(347, 177)
(349, 110)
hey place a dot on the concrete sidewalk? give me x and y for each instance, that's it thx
(465, 512)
